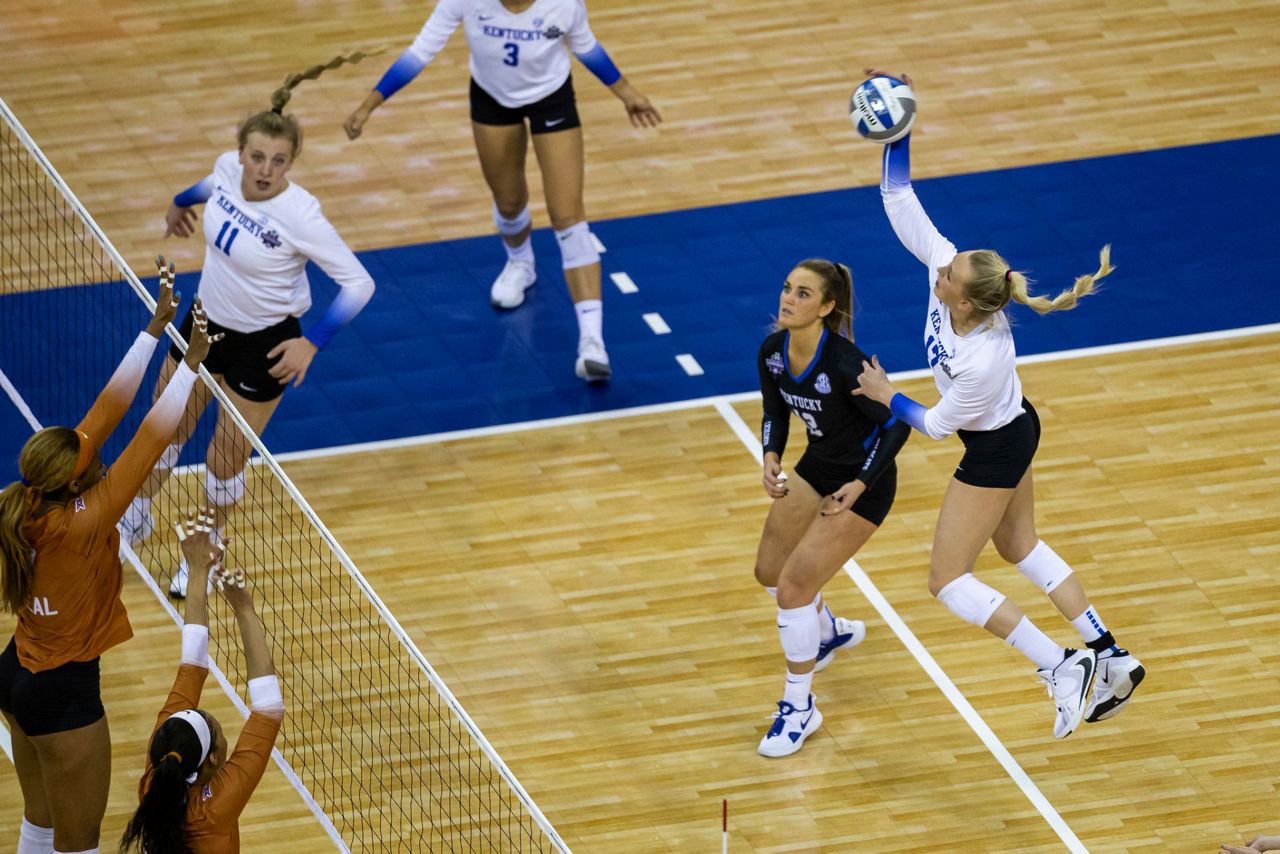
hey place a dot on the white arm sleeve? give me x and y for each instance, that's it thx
(968, 399)
(581, 39)
(431, 39)
(915, 229)
(316, 238)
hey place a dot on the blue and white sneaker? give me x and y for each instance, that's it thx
(791, 726)
(1118, 675)
(1069, 685)
(849, 633)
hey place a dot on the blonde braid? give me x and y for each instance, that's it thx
(281, 96)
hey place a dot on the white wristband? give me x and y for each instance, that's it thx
(264, 694)
(195, 645)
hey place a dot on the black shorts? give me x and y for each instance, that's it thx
(558, 111)
(998, 459)
(241, 357)
(826, 477)
(65, 698)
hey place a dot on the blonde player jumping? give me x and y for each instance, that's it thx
(260, 230)
(969, 346)
(520, 71)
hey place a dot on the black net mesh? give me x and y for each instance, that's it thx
(369, 737)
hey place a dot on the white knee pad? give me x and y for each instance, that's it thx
(799, 632)
(224, 493)
(576, 246)
(1044, 568)
(169, 457)
(511, 227)
(970, 599)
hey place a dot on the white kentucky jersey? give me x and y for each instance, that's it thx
(517, 58)
(255, 262)
(975, 373)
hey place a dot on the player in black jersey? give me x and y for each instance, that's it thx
(843, 485)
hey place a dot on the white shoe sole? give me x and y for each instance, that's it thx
(519, 298)
(1115, 704)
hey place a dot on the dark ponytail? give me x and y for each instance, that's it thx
(159, 825)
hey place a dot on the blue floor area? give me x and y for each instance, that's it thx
(1193, 234)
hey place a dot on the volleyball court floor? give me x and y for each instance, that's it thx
(585, 587)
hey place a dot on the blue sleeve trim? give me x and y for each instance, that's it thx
(343, 308)
(908, 410)
(196, 194)
(598, 63)
(896, 173)
(399, 74)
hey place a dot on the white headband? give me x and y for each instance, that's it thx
(196, 721)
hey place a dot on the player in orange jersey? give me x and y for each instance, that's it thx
(192, 792)
(60, 574)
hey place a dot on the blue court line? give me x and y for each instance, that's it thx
(1191, 228)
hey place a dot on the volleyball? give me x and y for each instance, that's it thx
(883, 109)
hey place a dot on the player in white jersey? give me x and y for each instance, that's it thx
(261, 229)
(969, 346)
(520, 71)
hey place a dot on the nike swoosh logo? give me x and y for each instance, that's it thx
(806, 720)
(1084, 683)
(552, 124)
(484, 17)
(781, 626)
(247, 388)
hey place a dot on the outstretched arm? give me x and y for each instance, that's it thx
(434, 34)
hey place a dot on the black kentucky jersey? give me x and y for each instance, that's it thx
(844, 429)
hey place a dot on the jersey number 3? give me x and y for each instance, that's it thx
(513, 54)
(231, 238)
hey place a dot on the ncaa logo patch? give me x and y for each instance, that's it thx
(822, 384)
(774, 364)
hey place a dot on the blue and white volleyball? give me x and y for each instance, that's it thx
(883, 109)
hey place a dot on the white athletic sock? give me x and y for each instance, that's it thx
(33, 839)
(85, 851)
(1035, 645)
(523, 252)
(1089, 625)
(797, 690)
(590, 319)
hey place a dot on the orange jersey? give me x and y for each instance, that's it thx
(213, 808)
(76, 613)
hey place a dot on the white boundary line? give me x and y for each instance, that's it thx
(698, 402)
(931, 667)
(416, 654)
(128, 553)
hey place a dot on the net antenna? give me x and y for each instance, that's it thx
(374, 742)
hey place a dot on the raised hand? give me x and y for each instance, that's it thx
(166, 300)
(198, 346)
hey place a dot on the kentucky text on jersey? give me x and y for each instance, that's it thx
(805, 403)
(508, 34)
(242, 218)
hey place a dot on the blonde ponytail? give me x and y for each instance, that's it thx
(273, 122)
(995, 284)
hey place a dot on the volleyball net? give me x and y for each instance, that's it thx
(373, 741)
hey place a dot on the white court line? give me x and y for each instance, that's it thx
(697, 402)
(595, 241)
(936, 673)
(690, 365)
(656, 323)
(221, 678)
(624, 283)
